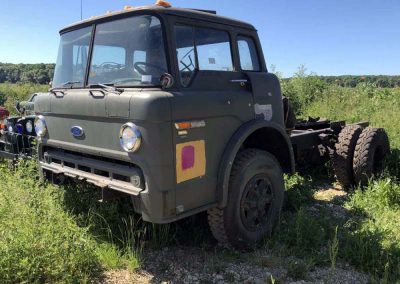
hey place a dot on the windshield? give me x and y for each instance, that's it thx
(126, 52)
(72, 58)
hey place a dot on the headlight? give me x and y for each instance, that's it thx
(29, 126)
(130, 137)
(40, 126)
(10, 129)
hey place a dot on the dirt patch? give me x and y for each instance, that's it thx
(330, 194)
(125, 276)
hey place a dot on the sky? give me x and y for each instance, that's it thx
(329, 37)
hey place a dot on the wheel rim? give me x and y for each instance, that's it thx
(256, 202)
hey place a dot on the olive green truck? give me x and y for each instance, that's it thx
(176, 108)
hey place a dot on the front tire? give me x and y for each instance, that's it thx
(255, 199)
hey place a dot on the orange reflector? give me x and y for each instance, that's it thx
(183, 125)
(190, 124)
(127, 8)
(163, 3)
(3, 126)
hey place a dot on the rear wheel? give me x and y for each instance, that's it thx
(343, 155)
(371, 149)
(255, 199)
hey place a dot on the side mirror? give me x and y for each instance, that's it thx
(19, 107)
(167, 81)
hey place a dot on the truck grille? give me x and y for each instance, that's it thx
(102, 172)
(17, 144)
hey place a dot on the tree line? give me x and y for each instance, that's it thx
(26, 73)
(43, 74)
(352, 81)
(381, 81)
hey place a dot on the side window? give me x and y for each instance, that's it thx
(213, 50)
(248, 54)
(201, 49)
(185, 51)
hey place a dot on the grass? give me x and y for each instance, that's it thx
(43, 238)
(368, 237)
(39, 241)
(62, 234)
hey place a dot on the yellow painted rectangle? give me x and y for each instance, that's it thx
(199, 165)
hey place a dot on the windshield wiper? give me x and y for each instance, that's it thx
(108, 88)
(70, 83)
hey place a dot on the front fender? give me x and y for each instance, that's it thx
(233, 148)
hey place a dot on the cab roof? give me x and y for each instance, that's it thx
(155, 9)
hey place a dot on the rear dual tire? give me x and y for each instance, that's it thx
(359, 155)
(371, 149)
(343, 155)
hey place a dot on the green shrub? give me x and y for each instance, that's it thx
(303, 88)
(298, 191)
(11, 93)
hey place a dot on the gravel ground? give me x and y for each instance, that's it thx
(194, 265)
(188, 264)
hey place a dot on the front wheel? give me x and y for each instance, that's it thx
(255, 199)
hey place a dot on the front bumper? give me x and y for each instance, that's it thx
(154, 198)
(8, 155)
(104, 174)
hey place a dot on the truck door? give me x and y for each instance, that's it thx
(265, 86)
(213, 102)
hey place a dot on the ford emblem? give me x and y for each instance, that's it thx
(77, 131)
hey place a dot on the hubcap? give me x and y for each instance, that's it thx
(256, 202)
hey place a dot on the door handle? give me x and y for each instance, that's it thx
(239, 81)
(242, 82)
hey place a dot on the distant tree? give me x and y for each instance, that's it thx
(27, 73)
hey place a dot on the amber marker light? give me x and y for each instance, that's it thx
(163, 3)
(185, 125)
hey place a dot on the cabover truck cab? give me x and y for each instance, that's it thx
(175, 108)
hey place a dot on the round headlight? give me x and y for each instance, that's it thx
(40, 126)
(10, 129)
(130, 137)
(29, 126)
